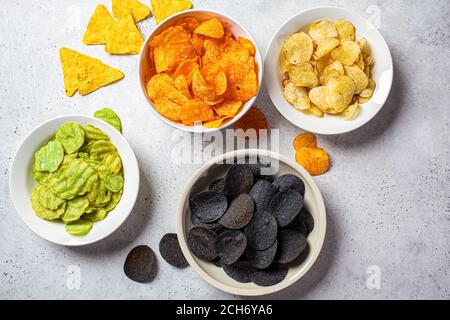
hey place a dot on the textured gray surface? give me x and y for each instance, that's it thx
(387, 194)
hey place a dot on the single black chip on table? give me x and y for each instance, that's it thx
(201, 243)
(208, 206)
(230, 245)
(290, 181)
(217, 185)
(239, 271)
(261, 193)
(170, 250)
(239, 213)
(262, 259)
(291, 244)
(140, 264)
(269, 277)
(239, 179)
(261, 232)
(285, 206)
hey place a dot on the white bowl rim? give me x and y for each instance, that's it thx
(260, 291)
(389, 57)
(249, 103)
(12, 169)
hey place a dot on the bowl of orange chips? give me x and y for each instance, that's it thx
(328, 70)
(200, 70)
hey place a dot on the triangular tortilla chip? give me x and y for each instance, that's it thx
(165, 8)
(124, 38)
(99, 26)
(84, 73)
(121, 8)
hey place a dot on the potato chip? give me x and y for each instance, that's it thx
(325, 47)
(100, 149)
(161, 87)
(360, 62)
(99, 26)
(216, 123)
(121, 8)
(212, 28)
(93, 133)
(298, 48)
(345, 30)
(71, 135)
(253, 119)
(364, 46)
(347, 52)
(333, 70)
(285, 66)
(247, 44)
(99, 196)
(114, 182)
(339, 92)
(216, 101)
(358, 76)
(317, 97)
(49, 157)
(351, 112)
(314, 160)
(368, 91)
(297, 96)
(220, 82)
(182, 85)
(75, 209)
(228, 108)
(187, 69)
(200, 88)
(195, 110)
(321, 30)
(168, 109)
(124, 37)
(315, 111)
(188, 23)
(43, 212)
(305, 139)
(110, 117)
(79, 228)
(303, 75)
(242, 81)
(165, 8)
(47, 199)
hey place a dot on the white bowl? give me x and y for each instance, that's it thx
(21, 183)
(216, 168)
(382, 71)
(201, 14)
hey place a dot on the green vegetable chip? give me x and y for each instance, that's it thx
(109, 116)
(71, 135)
(79, 228)
(49, 157)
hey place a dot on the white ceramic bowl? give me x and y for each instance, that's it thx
(201, 14)
(382, 71)
(21, 183)
(215, 169)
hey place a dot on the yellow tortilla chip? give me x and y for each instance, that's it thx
(99, 26)
(165, 8)
(124, 38)
(84, 73)
(121, 8)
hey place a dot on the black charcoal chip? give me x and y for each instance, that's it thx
(201, 243)
(230, 245)
(307, 218)
(269, 277)
(262, 259)
(285, 205)
(239, 179)
(198, 223)
(261, 232)
(208, 206)
(239, 271)
(262, 192)
(217, 185)
(291, 244)
(140, 264)
(170, 250)
(299, 225)
(290, 181)
(239, 213)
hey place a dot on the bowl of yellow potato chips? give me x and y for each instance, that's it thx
(200, 70)
(74, 179)
(328, 70)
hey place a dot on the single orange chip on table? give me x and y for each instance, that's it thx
(211, 28)
(203, 70)
(253, 119)
(314, 160)
(306, 139)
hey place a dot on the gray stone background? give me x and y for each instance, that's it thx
(387, 193)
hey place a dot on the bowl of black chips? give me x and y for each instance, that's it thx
(251, 222)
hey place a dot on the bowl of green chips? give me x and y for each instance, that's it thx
(75, 179)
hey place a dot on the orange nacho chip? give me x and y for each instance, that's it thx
(124, 38)
(211, 28)
(306, 139)
(253, 119)
(314, 160)
(121, 8)
(99, 26)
